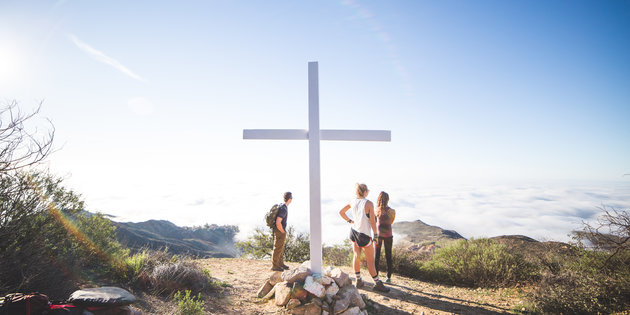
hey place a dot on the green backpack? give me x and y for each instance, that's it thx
(270, 217)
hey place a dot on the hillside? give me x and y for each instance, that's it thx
(417, 233)
(203, 242)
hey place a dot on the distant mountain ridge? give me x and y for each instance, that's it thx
(417, 235)
(420, 233)
(203, 242)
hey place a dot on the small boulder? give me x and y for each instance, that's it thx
(355, 310)
(298, 292)
(293, 303)
(317, 301)
(270, 294)
(327, 271)
(307, 309)
(296, 275)
(340, 277)
(283, 293)
(276, 277)
(313, 287)
(341, 305)
(264, 289)
(325, 280)
(332, 290)
(352, 293)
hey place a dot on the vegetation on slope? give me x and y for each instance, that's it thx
(199, 241)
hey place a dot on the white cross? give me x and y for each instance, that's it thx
(314, 135)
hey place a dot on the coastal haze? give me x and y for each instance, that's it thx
(506, 117)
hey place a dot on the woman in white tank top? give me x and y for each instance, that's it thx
(360, 234)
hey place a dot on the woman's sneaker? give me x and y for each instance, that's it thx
(358, 283)
(379, 286)
(388, 280)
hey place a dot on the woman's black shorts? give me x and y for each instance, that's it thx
(361, 239)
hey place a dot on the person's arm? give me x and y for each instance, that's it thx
(279, 225)
(369, 208)
(343, 214)
(393, 212)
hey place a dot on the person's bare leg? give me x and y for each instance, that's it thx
(356, 259)
(357, 265)
(369, 258)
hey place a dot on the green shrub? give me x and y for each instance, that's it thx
(586, 283)
(138, 262)
(260, 245)
(478, 263)
(593, 276)
(189, 305)
(406, 262)
(297, 247)
(47, 241)
(339, 254)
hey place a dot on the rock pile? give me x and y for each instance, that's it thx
(303, 293)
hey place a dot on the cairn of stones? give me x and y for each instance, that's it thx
(301, 292)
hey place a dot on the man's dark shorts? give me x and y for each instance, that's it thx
(359, 238)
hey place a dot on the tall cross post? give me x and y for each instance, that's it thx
(314, 135)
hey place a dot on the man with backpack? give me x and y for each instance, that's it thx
(280, 234)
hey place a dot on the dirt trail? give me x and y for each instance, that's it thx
(407, 296)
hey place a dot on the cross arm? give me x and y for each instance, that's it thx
(275, 134)
(302, 134)
(356, 135)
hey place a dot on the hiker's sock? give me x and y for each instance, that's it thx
(358, 275)
(375, 279)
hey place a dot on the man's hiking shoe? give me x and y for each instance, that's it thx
(285, 267)
(388, 280)
(379, 286)
(277, 269)
(358, 283)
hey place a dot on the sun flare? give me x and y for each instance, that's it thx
(10, 62)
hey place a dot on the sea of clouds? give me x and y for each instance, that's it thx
(543, 211)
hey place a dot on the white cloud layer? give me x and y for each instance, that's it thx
(541, 211)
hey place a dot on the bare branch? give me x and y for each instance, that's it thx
(19, 147)
(612, 234)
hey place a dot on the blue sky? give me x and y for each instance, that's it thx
(515, 101)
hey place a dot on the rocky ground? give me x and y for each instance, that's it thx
(407, 296)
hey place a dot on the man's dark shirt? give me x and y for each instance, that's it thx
(283, 213)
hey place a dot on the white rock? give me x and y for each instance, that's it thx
(327, 271)
(325, 280)
(283, 293)
(295, 275)
(313, 287)
(332, 290)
